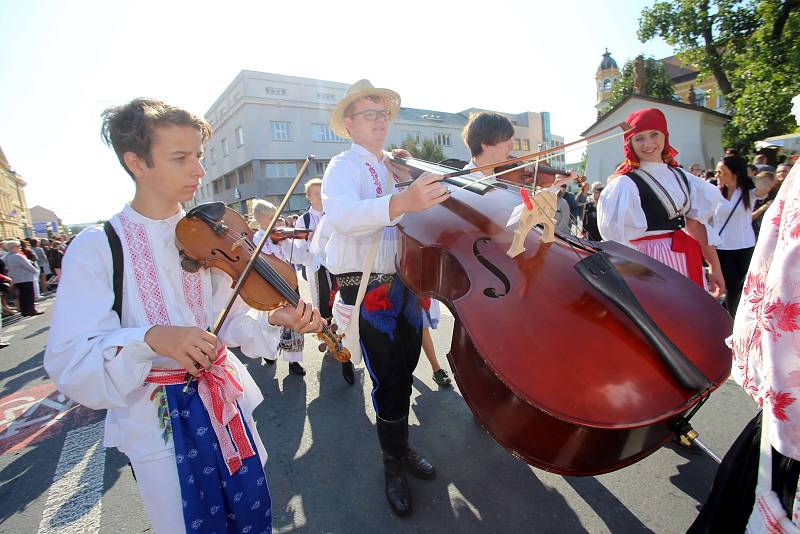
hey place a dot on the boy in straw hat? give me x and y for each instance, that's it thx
(362, 208)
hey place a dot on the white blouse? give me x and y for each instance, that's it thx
(738, 233)
(619, 211)
(82, 356)
(355, 212)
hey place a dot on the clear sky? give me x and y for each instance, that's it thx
(63, 62)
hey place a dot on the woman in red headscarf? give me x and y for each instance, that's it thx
(653, 205)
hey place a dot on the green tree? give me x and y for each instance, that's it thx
(427, 150)
(657, 83)
(751, 47)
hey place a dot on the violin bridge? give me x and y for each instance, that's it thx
(239, 242)
(542, 211)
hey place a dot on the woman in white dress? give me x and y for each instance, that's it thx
(656, 207)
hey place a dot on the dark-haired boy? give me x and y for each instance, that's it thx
(197, 456)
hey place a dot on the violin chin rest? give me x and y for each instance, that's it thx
(210, 211)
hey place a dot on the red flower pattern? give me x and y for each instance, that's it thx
(780, 400)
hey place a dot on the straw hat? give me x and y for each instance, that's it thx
(359, 90)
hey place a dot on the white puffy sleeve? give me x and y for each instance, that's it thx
(89, 356)
(704, 198)
(619, 212)
(245, 327)
(348, 213)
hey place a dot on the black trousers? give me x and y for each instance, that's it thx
(734, 265)
(26, 298)
(324, 292)
(390, 361)
(732, 496)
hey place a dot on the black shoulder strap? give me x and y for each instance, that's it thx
(654, 211)
(307, 219)
(730, 215)
(118, 265)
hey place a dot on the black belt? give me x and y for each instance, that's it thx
(349, 282)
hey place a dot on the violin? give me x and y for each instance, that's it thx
(541, 175)
(279, 234)
(578, 357)
(213, 235)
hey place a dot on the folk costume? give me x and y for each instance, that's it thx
(197, 456)
(322, 284)
(356, 191)
(646, 205)
(320, 281)
(757, 484)
(291, 343)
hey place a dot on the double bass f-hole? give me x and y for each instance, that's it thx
(492, 268)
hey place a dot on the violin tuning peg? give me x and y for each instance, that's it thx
(322, 347)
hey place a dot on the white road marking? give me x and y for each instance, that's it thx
(75, 498)
(6, 339)
(16, 327)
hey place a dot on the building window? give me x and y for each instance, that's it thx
(606, 85)
(319, 167)
(228, 181)
(442, 139)
(322, 133)
(330, 97)
(239, 136)
(721, 102)
(224, 148)
(525, 144)
(217, 186)
(275, 91)
(700, 97)
(517, 144)
(245, 175)
(213, 153)
(281, 170)
(280, 131)
(409, 134)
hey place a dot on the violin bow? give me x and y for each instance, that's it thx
(240, 282)
(535, 155)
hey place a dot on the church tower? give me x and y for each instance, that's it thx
(606, 77)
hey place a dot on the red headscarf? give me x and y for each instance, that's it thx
(643, 120)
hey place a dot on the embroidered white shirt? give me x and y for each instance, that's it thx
(81, 356)
(620, 216)
(356, 206)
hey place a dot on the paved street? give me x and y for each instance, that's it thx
(324, 469)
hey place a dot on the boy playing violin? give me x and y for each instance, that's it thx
(197, 468)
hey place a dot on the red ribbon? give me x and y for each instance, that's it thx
(686, 244)
(219, 391)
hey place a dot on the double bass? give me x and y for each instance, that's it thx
(578, 357)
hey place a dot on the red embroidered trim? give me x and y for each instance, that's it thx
(147, 283)
(375, 179)
(144, 272)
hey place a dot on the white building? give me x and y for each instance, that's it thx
(695, 132)
(266, 124)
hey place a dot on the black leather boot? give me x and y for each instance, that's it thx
(418, 466)
(391, 437)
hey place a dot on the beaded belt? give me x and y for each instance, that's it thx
(354, 279)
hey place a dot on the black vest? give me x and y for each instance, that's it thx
(654, 211)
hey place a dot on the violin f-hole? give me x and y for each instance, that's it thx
(220, 251)
(492, 268)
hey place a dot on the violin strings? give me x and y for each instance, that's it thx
(269, 273)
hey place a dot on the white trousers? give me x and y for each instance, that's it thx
(161, 494)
